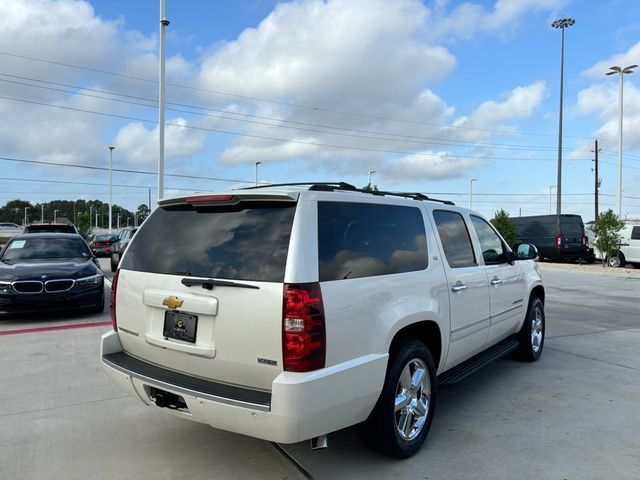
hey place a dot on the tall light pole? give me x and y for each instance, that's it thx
(257, 163)
(110, 185)
(42, 213)
(118, 221)
(471, 191)
(550, 197)
(55, 216)
(621, 72)
(164, 23)
(371, 172)
(561, 23)
(97, 215)
(26, 209)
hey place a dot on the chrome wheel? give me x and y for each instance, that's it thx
(536, 329)
(412, 400)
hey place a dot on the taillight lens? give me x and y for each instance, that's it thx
(558, 241)
(114, 286)
(303, 328)
(585, 241)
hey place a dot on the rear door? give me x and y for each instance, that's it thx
(468, 288)
(200, 288)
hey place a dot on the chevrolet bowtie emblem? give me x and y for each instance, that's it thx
(172, 302)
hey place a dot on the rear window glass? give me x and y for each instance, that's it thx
(455, 239)
(244, 242)
(363, 240)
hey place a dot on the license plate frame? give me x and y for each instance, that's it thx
(180, 326)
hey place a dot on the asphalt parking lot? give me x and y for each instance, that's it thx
(574, 414)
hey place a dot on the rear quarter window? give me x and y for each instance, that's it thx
(248, 241)
(358, 240)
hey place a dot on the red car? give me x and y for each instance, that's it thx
(101, 245)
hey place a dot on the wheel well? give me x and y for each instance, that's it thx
(427, 332)
(538, 292)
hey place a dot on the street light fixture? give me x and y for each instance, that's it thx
(371, 172)
(561, 23)
(622, 72)
(471, 191)
(257, 163)
(110, 185)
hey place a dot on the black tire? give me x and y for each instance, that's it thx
(381, 431)
(531, 336)
(617, 260)
(114, 266)
(100, 307)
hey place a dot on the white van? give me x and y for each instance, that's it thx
(629, 248)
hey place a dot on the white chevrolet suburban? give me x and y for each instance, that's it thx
(291, 311)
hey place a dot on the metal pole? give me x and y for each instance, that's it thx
(559, 176)
(42, 215)
(561, 24)
(471, 192)
(110, 187)
(163, 26)
(619, 193)
(596, 185)
(55, 216)
(371, 172)
(149, 199)
(25, 215)
(257, 163)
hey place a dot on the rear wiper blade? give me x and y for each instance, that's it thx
(209, 283)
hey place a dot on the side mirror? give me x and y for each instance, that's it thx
(526, 251)
(113, 239)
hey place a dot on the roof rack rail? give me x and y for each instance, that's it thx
(332, 186)
(322, 186)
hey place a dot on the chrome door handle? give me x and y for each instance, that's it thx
(496, 281)
(458, 287)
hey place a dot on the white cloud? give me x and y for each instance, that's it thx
(469, 19)
(430, 166)
(630, 57)
(140, 146)
(520, 102)
(69, 31)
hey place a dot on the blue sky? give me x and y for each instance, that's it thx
(429, 94)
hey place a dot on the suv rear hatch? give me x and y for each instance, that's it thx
(200, 288)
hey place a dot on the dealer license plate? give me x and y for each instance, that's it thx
(181, 326)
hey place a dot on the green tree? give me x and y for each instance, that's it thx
(14, 210)
(142, 213)
(607, 231)
(504, 225)
(370, 188)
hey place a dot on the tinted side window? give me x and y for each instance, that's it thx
(248, 241)
(635, 233)
(455, 238)
(363, 240)
(493, 251)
